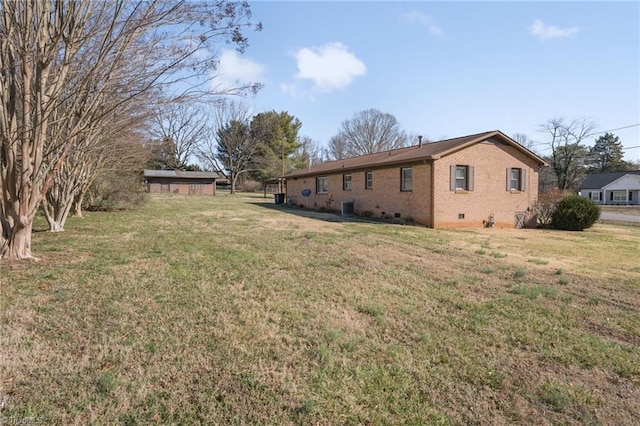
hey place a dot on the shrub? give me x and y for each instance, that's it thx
(113, 190)
(575, 213)
(250, 186)
(545, 205)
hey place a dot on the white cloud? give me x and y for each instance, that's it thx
(330, 67)
(424, 21)
(234, 70)
(547, 32)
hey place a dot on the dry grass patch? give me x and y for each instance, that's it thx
(228, 311)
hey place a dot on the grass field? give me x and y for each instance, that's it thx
(232, 310)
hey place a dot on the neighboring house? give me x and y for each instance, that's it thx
(179, 182)
(612, 187)
(487, 179)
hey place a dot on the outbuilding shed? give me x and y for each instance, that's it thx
(181, 182)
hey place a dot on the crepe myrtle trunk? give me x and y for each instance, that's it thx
(77, 205)
(56, 214)
(16, 237)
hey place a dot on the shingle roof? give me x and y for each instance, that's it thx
(181, 174)
(426, 151)
(600, 180)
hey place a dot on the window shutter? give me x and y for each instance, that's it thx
(470, 178)
(508, 179)
(611, 195)
(630, 196)
(589, 194)
(452, 178)
(523, 180)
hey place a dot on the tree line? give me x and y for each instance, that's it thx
(225, 137)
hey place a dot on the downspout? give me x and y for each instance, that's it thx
(433, 192)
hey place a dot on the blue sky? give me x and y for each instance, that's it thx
(447, 69)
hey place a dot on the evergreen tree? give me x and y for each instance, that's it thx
(606, 155)
(277, 136)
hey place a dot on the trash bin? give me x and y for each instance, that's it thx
(279, 198)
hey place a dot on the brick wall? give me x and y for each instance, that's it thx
(384, 197)
(490, 161)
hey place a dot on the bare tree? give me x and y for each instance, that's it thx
(184, 124)
(230, 150)
(51, 49)
(310, 152)
(337, 149)
(567, 152)
(105, 145)
(368, 132)
(523, 140)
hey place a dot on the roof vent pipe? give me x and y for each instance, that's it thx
(419, 141)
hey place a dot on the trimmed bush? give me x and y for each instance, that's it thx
(575, 213)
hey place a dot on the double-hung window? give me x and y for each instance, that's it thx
(619, 196)
(368, 180)
(322, 185)
(346, 182)
(406, 179)
(516, 179)
(461, 178)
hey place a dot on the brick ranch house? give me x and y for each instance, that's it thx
(179, 182)
(486, 179)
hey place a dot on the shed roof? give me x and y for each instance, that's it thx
(600, 180)
(181, 174)
(426, 151)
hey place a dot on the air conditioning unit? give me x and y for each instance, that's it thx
(347, 208)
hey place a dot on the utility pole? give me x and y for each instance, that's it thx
(281, 183)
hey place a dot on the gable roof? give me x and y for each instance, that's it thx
(600, 180)
(426, 151)
(181, 174)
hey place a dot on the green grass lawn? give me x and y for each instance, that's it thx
(232, 310)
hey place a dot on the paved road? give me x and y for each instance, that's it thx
(619, 217)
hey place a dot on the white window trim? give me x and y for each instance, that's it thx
(517, 180)
(618, 192)
(403, 180)
(464, 179)
(326, 185)
(368, 183)
(345, 180)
